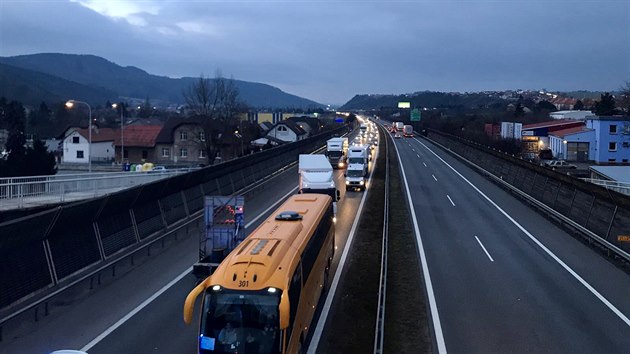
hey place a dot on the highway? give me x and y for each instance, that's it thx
(141, 311)
(502, 277)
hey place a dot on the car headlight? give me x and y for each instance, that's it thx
(347, 182)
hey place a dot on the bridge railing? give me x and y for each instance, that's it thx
(616, 186)
(20, 192)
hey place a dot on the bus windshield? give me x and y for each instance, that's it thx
(356, 160)
(240, 322)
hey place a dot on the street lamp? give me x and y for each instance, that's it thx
(239, 136)
(70, 104)
(122, 134)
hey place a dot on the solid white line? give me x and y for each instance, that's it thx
(271, 207)
(425, 165)
(312, 349)
(418, 155)
(484, 249)
(434, 177)
(450, 200)
(134, 311)
(537, 242)
(437, 326)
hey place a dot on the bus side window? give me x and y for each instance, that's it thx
(295, 289)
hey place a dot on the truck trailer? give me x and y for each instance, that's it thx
(408, 131)
(337, 151)
(316, 176)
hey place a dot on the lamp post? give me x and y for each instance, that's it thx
(70, 104)
(122, 133)
(239, 136)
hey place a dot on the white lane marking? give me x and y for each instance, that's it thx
(134, 311)
(450, 200)
(484, 249)
(434, 177)
(437, 326)
(425, 165)
(418, 156)
(312, 349)
(588, 286)
(146, 302)
(414, 150)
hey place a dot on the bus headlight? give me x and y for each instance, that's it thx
(340, 164)
(362, 183)
(334, 219)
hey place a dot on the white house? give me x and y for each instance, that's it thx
(287, 131)
(75, 145)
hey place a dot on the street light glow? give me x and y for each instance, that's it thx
(70, 104)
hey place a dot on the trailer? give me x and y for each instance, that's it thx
(223, 230)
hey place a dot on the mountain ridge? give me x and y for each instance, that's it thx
(99, 74)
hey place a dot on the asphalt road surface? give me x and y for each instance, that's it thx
(504, 278)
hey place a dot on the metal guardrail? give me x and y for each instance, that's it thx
(620, 187)
(20, 192)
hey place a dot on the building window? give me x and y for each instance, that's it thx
(183, 153)
(612, 146)
(613, 129)
(202, 136)
(145, 154)
(79, 154)
(125, 154)
(624, 160)
(183, 135)
(166, 152)
(282, 128)
(75, 139)
(612, 160)
(202, 154)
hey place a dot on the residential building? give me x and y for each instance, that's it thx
(573, 144)
(75, 145)
(310, 125)
(139, 143)
(181, 141)
(612, 139)
(287, 131)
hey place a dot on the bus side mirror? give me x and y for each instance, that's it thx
(190, 302)
(284, 309)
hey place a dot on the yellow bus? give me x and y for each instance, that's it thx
(262, 297)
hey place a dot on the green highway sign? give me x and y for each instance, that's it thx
(415, 115)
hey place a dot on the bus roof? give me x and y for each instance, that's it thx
(269, 255)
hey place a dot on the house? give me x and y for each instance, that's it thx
(612, 139)
(76, 147)
(287, 131)
(310, 125)
(138, 142)
(181, 141)
(573, 144)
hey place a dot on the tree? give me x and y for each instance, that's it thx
(518, 110)
(22, 161)
(215, 103)
(606, 105)
(624, 97)
(578, 106)
(545, 106)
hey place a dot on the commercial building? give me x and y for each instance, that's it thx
(612, 139)
(572, 144)
(577, 115)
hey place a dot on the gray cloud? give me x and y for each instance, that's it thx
(330, 50)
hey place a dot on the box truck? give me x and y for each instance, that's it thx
(337, 151)
(316, 176)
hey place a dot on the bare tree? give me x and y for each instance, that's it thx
(215, 103)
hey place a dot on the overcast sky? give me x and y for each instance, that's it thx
(329, 51)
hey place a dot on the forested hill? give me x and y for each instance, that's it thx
(104, 78)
